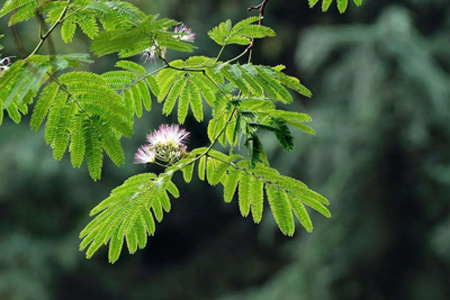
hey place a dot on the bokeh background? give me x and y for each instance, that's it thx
(381, 107)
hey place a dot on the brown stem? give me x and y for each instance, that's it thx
(260, 7)
(18, 41)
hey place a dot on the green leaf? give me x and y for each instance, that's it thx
(342, 5)
(43, 105)
(77, 143)
(281, 211)
(126, 214)
(202, 168)
(301, 214)
(183, 103)
(241, 34)
(111, 144)
(230, 184)
(173, 96)
(131, 66)
(11, 5)
(195, 102)
(115, 247)
(188, 171)
(326, 5)
(68, 29)
(54, 117)
(62, 134)
(257, 200)
(94, 153)
(245, 193)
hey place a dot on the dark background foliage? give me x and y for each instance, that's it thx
(381, 79)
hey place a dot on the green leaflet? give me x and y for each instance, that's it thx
(131, 66)
(94, 153)
(281, 211)
(230, 184)
(183, 103)
(241, 34)
(62, 134)
(77, 141)
(111, 144)
(258, 200)
(68, 29)
(245, 193)
(341, 4)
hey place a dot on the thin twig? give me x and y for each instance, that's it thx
(18, 41)
(142, 79)
(69, 94)
(260, 7)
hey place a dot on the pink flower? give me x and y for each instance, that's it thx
(184, 33)
(149, 54)
(167, 135)
(166, 144)
(144, 155)
(4, 64)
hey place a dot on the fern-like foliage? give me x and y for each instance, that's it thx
(241, 34)
(342, 5)
(22, 81)
(87, 114)
(243, 100)
(257, 86)
(81, 109)
(141, 35)
(129, 214)
(135, 86)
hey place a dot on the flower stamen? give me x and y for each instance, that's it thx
(167, 144)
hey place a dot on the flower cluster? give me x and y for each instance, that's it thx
(167, 144)
(4, 64)
(184, 33)
(181, 32)
(150, 53)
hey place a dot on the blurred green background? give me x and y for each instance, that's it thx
(381, 107)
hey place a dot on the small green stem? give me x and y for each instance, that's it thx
(250, 55)
(43, 37)
(238, 57)
(220, 53)
(69, 94)
(142, 79)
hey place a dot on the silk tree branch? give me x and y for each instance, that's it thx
(260, 7)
